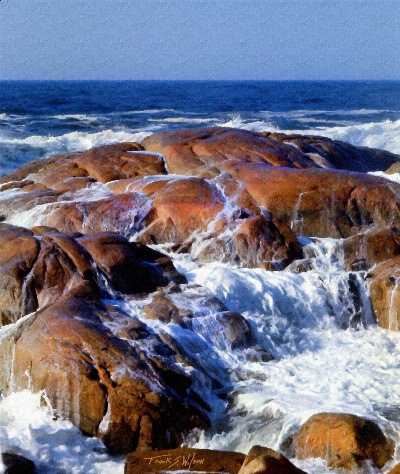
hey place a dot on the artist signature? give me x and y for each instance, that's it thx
(166, 461)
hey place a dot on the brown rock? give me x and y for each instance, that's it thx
(395, 470)
(18, 251)
(180, 208)
(384, 289)
(121, 213)
(321, 203)
(236, 328)
(260, 242)
(117, 258)
(338, 154)
(262, 460)
(17, 464)
(343, 440)
(362, 251)
(102, 383)
(183, 459)
(192, 152)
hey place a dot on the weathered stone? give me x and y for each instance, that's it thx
(17, 464)
(384, 289)
(99, 381)
(343, 440)
(340, 155)
(18, 252)
(321, 203)
(183, 459)
(262, 460)
(376, 245)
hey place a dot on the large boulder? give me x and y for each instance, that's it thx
(126, 389)
(19, 250)
(201, 151)
(343, 440)
(321, 203)
(384, 289)
(337, 154)
(377, 244)
(36, 269)
(105, 163)
(183, 459)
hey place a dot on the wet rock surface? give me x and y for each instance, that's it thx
(267, 461)
(345, 441)
(77, 237)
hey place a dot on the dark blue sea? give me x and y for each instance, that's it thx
(40, 118)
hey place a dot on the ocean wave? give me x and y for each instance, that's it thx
(145, 111)
(183, 120)
(252, 125)
(76, 141)
(384, 135)
(298, 113)
(78, 117)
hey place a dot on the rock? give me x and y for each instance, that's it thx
(115, 256)
(18, 251)
(180, 208)
(266, 243)
(183, 459)
(394, 168)
(376, 245)
(262, 460)
(17, 464)
(321, 203)
(236, 328)
(103, 164)
(343, 440)
(36, 271)
(192, 152)
(338, 154)
(122, 213)
(395, 470)
(384, 290)
(129, 396)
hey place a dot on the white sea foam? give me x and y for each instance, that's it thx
(76, 140)
(395, 177)
(54, 445)
(319, 366)
(384, 135)
(183, 120)
(79, 117)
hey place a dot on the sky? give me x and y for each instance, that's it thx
(200, 39)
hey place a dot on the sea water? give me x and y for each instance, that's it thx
(38, 118)
(328, 353)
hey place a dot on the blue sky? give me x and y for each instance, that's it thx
(199, 39)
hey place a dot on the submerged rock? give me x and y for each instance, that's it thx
(263, 460)
(345, 441)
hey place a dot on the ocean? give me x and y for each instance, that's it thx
(317, 365)
(41, 118)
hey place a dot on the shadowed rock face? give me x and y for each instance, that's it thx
(343, 440)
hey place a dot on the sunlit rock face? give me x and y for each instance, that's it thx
(345, 441)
